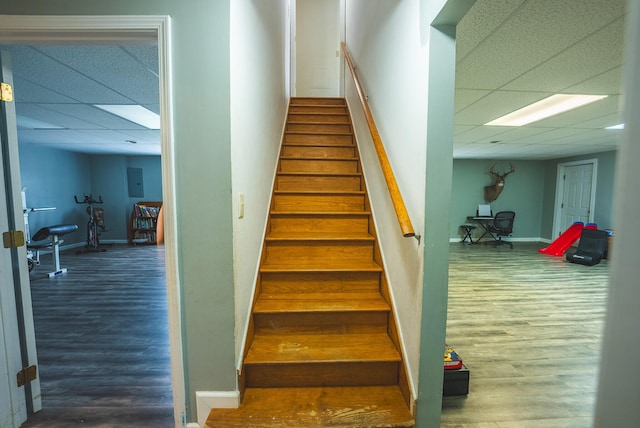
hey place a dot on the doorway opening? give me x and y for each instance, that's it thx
(575, 194)
(80, 30)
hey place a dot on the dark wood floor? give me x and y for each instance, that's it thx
(529, 328)
(102, 340)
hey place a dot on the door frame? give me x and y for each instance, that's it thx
(17, 347)
(557, 210)
(88, 29)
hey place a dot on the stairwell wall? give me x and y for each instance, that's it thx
(386, 43)
(259, 99)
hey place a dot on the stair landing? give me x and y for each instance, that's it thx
(375, 406)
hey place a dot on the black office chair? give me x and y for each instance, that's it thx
(502, 226)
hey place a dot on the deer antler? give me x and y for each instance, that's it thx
(513, 169)
(491, 171)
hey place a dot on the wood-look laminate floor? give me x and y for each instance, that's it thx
(529, 328)
(102, 340)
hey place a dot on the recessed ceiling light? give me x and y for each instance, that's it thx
(133, 113)
(544, 108)
(618, 126)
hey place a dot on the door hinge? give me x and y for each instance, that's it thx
(13, 239)
(6, 92)
(26, 375)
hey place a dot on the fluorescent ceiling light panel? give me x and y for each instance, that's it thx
(619, 126)
(544, 108)
(133, 113)
(24, 122)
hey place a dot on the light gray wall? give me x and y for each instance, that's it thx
(523, 193)
(619, 389)
(259, 100)
(201, 112)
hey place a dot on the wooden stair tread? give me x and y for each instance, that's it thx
(321, 213)
(319, 236)
(319, 192)
(321, 266)
(370, 406)
(321, 348)
(348, 158)
(320, 302)
(319, 174)
(318, 133)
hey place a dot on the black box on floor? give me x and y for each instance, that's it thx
(456, 382)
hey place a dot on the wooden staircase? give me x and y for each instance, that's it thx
(322, 348)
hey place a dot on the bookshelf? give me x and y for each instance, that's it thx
(143, 223)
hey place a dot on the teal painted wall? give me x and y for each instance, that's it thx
(53, 177)
(523, 193)
(200, 68)
(530, 192)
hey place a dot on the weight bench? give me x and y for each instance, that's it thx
(53, 234)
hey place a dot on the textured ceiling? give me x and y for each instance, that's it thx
(60, 85)
(510, 53)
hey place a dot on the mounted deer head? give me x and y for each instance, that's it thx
(492, 192)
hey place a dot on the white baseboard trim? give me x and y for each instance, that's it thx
(207, 400)
(457, 239)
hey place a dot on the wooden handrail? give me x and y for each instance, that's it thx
(392, 185)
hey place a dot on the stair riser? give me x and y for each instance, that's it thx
(318, 127)
(310, 166)
(318, 203)
(317, 109)
(303, 252)
(318, 101)
(318, 117)
(294, 183)
(321, 374)
(321, 322)
(319, 282)
(318, 152)
(319, 224)
(317, 139)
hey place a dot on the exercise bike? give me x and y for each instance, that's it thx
(95, 225)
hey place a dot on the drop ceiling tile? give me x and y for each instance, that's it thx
(589, 58)
(600, 108)
(59, 78)
(496, 104)
(96, 116)
(536, 32)
(25, 91)
(466, 97)
(112, 66)
(609, 83)
(53, 116)
(481, 20)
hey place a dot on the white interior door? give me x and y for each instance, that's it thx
(576, 197)
(16, 317)
(317, 52)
